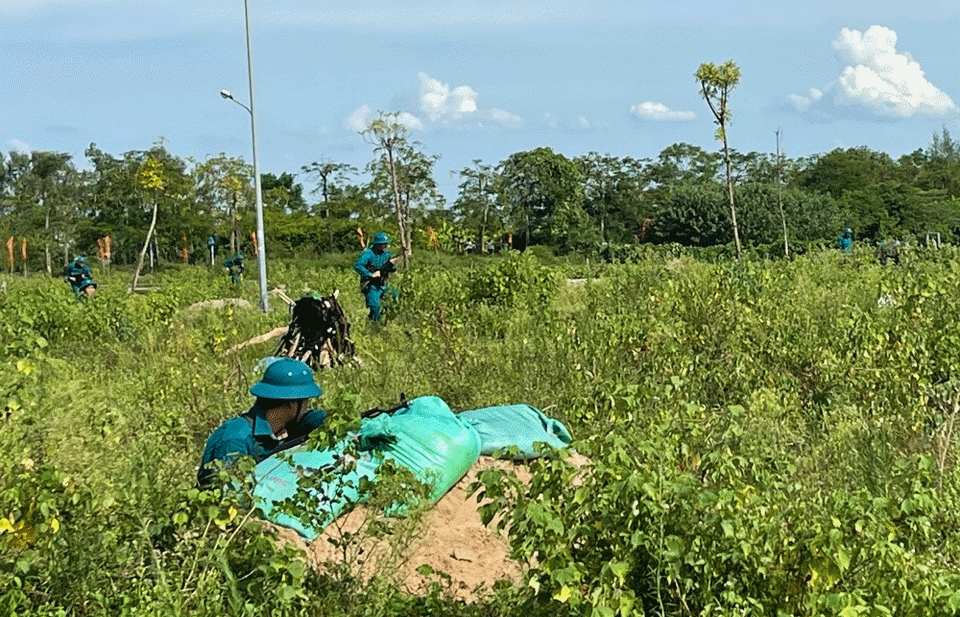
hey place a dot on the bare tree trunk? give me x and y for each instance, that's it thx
(234, 244)
(783, 217)
(483, 228)
(143, 251)
(46, 242)
(733, 209)
(402, 224)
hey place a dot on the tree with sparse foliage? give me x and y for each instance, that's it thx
(477, 200)
(224, 187)
(716, 83)
(404, 169)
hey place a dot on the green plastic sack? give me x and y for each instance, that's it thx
(276, 480)
(426, 437)
(520, 426)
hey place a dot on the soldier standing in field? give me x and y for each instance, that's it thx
(374, 266)
(845, 241)
(236, 268)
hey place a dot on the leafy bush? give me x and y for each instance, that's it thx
(762, 437)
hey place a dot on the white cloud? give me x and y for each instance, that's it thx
(19, 146)
(439, 102)
(503, 117)
(440, 105)
(803, 103)
(410, 121)
(878, 79)
(362, 116)
(650, 110)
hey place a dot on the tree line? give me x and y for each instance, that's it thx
(536, 197)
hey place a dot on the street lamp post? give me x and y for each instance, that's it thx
(261, 249)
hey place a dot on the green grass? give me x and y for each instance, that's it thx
(767, 438)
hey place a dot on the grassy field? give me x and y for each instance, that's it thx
(766, 437)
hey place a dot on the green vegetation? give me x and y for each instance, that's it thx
(153, 201)
(764, 437)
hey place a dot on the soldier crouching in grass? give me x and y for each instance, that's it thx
(80, 279)
(279, 419)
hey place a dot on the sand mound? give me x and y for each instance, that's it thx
(450, 538)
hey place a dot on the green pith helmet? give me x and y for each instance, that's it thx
(847, 231)
(239, 257)
(80, 259)
(286, 379)
(381, 238)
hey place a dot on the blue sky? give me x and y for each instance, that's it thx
(477, 79)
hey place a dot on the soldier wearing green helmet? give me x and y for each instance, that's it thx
(80, 278)
(236, 268)
(279, 419)
(374, 266)
(845, 241)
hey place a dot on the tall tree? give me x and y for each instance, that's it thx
(45, 189)
(150, 180)
(477, 199)
(404, 168)
(613, 194)
(282, 193)
(941, 169)
(544, 192)
(716, 84)
(225, 187)
(783, 217)
(332, 176)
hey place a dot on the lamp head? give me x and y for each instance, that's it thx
(226, 94)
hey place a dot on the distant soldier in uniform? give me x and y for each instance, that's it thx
(845, 241)
(236, 268)
(80, 279)
(374, 266)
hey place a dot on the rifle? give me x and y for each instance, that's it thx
(386, 268)
(376, 411)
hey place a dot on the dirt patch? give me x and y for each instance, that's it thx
(451, 538)
(220, 303)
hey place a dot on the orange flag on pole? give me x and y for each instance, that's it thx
(10, 250)
(363, 242)
(253, 238)
(23, 250)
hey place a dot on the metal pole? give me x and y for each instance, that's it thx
(261, 249)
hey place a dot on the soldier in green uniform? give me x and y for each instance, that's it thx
(236, 268)
(374, 265)
(280, 418)
(80, 279)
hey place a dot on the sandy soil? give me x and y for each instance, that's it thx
(450, 539)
